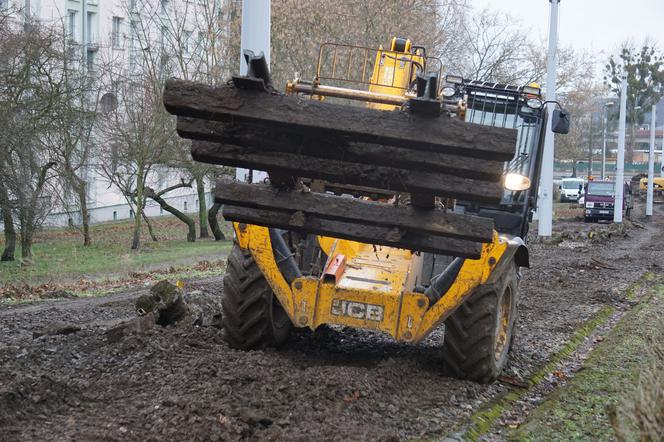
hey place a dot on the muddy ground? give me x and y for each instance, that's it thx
(186, 384)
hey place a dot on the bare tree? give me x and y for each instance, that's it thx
(299, 27)
(583, 103)
(199, 43)
(73, 122)
(187, 40)
(137, 139)
(645, 81)
(496, 50)
(33, 79)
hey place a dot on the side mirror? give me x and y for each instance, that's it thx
(560, 122)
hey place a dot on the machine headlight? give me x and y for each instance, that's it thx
(448, 91)
(534, 103)
(515, 181)
(590, 205)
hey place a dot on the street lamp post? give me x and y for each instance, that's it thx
(632, 135)
(545, 200)
(606, 122)
(661, 157)
(620, 160)
(590, 146)
(651, 161)
(255, 35)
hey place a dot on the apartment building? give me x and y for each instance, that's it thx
(120, 31)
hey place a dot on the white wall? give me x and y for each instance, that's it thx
(104, 197)
(118, 212)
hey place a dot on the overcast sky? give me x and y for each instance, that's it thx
(597, 25)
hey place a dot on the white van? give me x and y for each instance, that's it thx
(571, 189)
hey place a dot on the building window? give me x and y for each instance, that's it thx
(115, 32)
(91, 61)
(71, 25)
(185, 206)
(115, 215)
(200, 44)
(133, 52)
(131, 213)
(161, 211)
(186, 41)
(91, 31)
(164, 6)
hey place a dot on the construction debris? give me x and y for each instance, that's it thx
(168, 305)
(57, 328)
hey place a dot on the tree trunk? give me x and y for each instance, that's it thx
(10, 235)
(214, 222)
(136, 240)
(202, 208)
(27, 227)
(191, 234)
(150, 230)
(629, 152)
(82, 201)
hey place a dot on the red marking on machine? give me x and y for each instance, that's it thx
(335, 268)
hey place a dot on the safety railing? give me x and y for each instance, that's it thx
(340, 64)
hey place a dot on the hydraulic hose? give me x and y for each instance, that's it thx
(441, 283)
(283, 256)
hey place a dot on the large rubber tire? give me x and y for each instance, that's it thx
(479, 334)
(252, 316)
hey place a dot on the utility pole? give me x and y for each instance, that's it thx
(255, 31)
(661, 157)
(545, 200)
(606, 122)
(255, 36)
(590, 146)
(620, 162)
(651, 162)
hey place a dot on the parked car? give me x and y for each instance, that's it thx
(599, 199)
(571, 189)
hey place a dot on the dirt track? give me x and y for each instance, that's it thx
(186, 384)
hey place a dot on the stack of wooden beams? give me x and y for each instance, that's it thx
(394, 151)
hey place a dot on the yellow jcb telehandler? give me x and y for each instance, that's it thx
(396, 200)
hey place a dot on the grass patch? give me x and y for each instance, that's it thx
(18, 294)
(580, 410)
(567, 210)
(59, 255)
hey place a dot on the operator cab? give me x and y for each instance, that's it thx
(521, 108)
